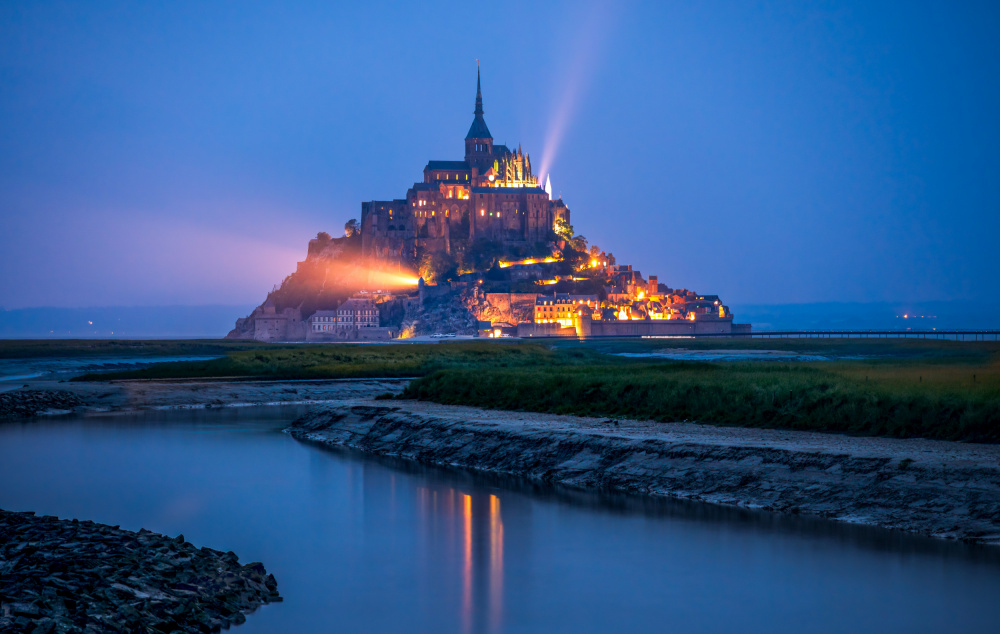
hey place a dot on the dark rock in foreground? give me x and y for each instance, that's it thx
(72, 576)
(25, 403)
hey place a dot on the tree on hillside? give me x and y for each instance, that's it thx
(563, 229)
(437, 267)
(351, 228)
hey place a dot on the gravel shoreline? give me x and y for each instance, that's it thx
(78, 576)
(941, 489)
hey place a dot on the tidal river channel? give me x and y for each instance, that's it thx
(364, 545)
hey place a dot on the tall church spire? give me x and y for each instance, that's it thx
(479, 95)
(478, 130)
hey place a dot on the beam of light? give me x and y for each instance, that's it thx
(389, 280)
(597, 23)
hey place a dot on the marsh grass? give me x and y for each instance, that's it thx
(884, 398)
(354, 361)
(933, 389)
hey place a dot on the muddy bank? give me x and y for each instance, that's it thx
(71, 576)
(936, 488)
(54, 398)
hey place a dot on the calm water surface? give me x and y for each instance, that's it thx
(362, 545)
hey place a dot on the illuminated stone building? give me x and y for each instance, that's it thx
(357, 313)
(563, 308)
(491, 194)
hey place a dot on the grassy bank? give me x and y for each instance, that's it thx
(900, 398)
(353, 361)
(934, 389)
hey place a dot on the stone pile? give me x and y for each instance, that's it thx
(78, 576)
(25, 403)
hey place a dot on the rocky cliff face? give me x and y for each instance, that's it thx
(459, 310)
(935, 488)
(332, 272)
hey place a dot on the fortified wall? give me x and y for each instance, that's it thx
(586, 327)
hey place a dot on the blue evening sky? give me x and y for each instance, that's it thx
(158, 153)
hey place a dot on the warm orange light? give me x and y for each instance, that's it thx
(387, 280)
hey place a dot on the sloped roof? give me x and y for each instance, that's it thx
(356, 303)
(478, 129)
(447, 165)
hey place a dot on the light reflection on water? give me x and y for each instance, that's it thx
(382, 545)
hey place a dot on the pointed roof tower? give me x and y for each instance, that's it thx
(478, 130)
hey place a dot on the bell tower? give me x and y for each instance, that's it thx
(479, 141)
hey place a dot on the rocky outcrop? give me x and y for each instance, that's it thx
(934, 488)
(72, 576)
(444, 312)
(26, 403)
(512, 308)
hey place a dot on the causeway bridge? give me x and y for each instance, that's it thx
(955, 335)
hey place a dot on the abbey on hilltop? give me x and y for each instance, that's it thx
(477, 248)
(492, 194)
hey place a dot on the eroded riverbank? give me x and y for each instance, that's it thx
(935, 488)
